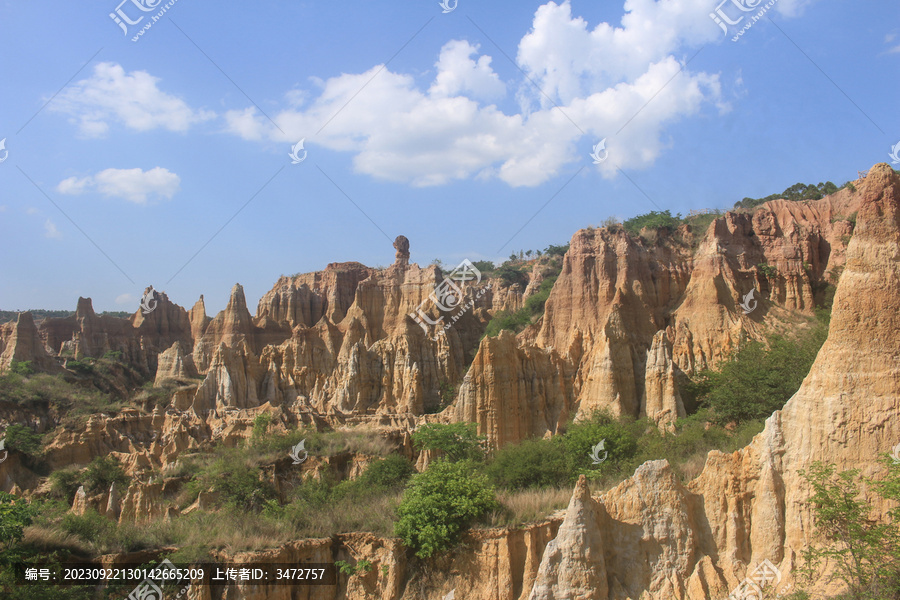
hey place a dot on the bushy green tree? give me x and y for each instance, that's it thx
(440, 503)
(581, 438)
(532, 463)
(757, 380)
(511, 274)
(552, 250)
(866, 553)
(15, 515)
(458, 441)
(239, 484)
(102, 473)
(389, 472)
(23, 439)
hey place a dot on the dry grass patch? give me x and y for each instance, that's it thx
(528, 506)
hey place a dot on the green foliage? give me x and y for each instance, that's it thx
(865, 552)
(534, 305)
(388, 473)
(484, 266)
(64, 483)
(361, 566)
(581, 437)
(458, 441)
(511, 274)
(532, 463)
(88, 527)
(757, 379)
(440, 503)
(239, 483)
(113, 356)
(102, 473)
(15, 515)
(22, 368)
(83, 367)
(23, 439)
(652, 220)
(767, 270)
(795, 193)
(552, 250)
(261, 425)
(514, 321)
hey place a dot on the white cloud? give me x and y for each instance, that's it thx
(125, 299)
(458, 73)
(50, 230)
(112, 95)
(133, 185)
(597, 80)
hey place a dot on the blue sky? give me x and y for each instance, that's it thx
(129, 162)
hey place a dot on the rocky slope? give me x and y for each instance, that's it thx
(626, 319)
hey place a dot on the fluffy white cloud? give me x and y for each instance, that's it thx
(458, 73)
(50, 230)
(624, 83)
(125, 299)
(133, 185)
(134, 99)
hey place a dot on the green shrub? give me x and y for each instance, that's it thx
(389, 472)
(767, 270)
(581, 438)
(22, 439)
(261, 425)
(511, 274)
(652, 220)
(64, 483)
(532, 463)
(88, 527)
(483, 266)
(15, 515)
(534, 305)
(80, 366)
(757, 380)
(458, 441)
(361, 566)
(504, 319)
(102, 473)
(22, 368)
(238, 483)
(440, 503)
(865, 552)
(552, 250)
